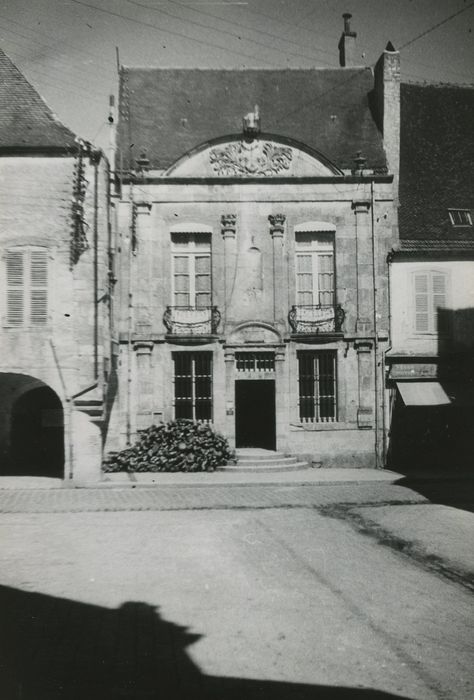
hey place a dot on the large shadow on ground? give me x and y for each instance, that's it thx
(438, 440)
(53, 648)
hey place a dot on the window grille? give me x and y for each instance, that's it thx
(317, 386)
(460, 217)
(191, 269)
(27, 287)
(430, 290)
(255, 361)
(193, 385)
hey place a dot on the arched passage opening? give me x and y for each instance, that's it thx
(33, 431)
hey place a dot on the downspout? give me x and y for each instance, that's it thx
(376, 347)
(390, 336)
(130, 315)
(96, 266)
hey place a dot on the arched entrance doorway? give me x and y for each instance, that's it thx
(33, 433)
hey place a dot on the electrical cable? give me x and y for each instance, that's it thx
(435, 26)
(168, 31)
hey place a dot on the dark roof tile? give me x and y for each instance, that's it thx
(169, 112)
(436, 160)
(26, 121)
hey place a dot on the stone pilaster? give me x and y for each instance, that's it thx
(228, 230)
(144, 384)
(365, 367)
(282, 399)
(229, 361)
(364, 260)
(277, 229)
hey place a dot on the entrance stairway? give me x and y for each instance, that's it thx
(256, 459)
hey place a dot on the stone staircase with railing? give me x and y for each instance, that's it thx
(255, 459)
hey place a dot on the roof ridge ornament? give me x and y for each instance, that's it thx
(251, 123)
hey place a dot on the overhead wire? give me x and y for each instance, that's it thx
(33, 69)
(236, 24)
(169, 31)
(34, 39)
(435, 26)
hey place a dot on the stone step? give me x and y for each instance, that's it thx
(260, 460)
(267, 460)
(245, 455)
(266, 468)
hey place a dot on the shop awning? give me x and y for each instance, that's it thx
(423, 394)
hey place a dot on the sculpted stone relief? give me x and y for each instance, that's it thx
(250, 158)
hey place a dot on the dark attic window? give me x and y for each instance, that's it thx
(460, 217)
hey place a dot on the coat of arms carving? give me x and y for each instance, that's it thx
(250, 159)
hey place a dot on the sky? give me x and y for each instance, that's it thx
(68, 48)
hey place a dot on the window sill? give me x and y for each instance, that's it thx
(319, 427)
(24, 327)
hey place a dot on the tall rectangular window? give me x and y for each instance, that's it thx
(317, 386)
(27, 286)
(314, 269)
(430, 290)
(191, 269)
(193, 385)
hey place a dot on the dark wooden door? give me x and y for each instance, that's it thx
(255, 413)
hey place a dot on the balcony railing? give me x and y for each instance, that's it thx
(313, 319)
(191, 320)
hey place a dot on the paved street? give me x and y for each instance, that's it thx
(284, 591)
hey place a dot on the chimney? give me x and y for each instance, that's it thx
(347, 43)
(387, 106)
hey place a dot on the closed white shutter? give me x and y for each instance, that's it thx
(38, 287)
(422, 319)
(15, 287)
(27, 287)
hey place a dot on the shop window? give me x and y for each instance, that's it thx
(193, 385)
(317, 386)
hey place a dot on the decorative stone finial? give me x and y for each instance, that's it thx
(251, 123)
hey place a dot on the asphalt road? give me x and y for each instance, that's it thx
(286, 602)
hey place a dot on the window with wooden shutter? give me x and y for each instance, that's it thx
(27, 287)
(430, 296)
(15, 287)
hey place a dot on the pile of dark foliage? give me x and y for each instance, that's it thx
(178, 446)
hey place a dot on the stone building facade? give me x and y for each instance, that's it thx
(55, 358)
(255, 210)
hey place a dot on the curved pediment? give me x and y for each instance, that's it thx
(259, 157)
(256, 333)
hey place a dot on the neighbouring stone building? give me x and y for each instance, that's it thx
(55, 359)
(255, 211)
(431, 360)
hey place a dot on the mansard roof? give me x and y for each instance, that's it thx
(26, 121)
(169, 112)
(436, 161)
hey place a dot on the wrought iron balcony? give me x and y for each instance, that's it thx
(313, 319)
(191, 320)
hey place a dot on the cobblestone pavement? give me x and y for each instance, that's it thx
(210, 497)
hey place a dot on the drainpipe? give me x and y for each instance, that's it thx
(130, 315)
(96, 265)
(376, 353)
(385, 417)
